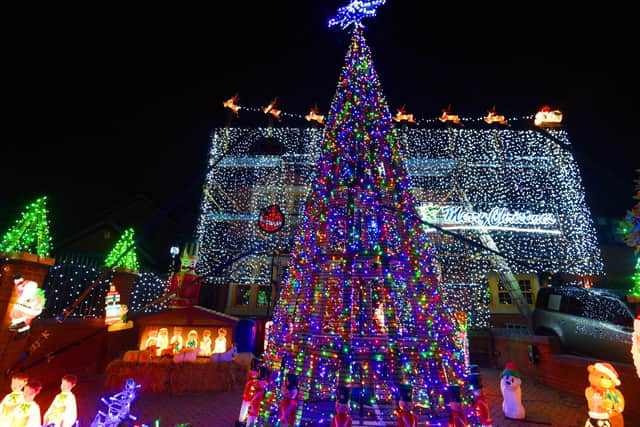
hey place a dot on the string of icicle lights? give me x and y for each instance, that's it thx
(451, 170)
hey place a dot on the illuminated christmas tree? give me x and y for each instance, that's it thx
(361, 305)
(630, 229)
(122, 255)
(31, 232)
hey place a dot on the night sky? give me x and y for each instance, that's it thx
(103, 101)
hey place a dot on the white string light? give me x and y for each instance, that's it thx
(518, 170)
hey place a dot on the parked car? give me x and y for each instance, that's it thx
(591, 322)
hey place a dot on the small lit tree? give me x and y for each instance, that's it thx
(630, 230)
(123, 255)
(30, 233)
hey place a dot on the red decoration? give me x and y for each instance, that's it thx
(289, 405)
(185, 284)
(271, 219)
(341, 419)
(480, 401)
(406, 418)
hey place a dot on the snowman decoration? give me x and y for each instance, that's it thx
(510, 383)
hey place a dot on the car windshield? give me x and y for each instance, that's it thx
(597, 304)
(610, 309)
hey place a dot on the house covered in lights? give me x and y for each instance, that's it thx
(495, 200)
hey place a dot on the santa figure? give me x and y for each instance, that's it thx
(635, 348)
(480, 401)
(255, 405)
(250, 389)
(289, 404)
(404, 413)
(28, 305)
(342, 417)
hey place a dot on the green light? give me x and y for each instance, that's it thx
(31, 232)
(129, 260)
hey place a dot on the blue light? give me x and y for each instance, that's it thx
(355, 12)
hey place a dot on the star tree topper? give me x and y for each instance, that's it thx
(355, 12)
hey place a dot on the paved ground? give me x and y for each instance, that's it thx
(221, 409)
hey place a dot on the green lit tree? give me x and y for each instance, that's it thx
(630, 230)
(30, 233)
(122, 255)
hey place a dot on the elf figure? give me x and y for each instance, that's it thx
(63, 410)
(13, 399)
(250, 389)
(289, 405)
(457, 417)
(480, 401)
(255, 405)
(342, 417)
(404, 413)
(27, 413)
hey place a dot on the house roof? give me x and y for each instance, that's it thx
(143, 216)
(194, 315)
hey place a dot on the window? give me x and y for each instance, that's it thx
(242, 295)
(504, 297)
(571, 305)
(503, 293)
(542, 301)
(264, 296)
(527, 291)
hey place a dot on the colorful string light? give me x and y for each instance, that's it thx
(361, 305)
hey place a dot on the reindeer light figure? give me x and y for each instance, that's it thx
(448, 117)
(492, 117)
(231, 104)
(271, 109)
(403, 116)
(314, 116)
